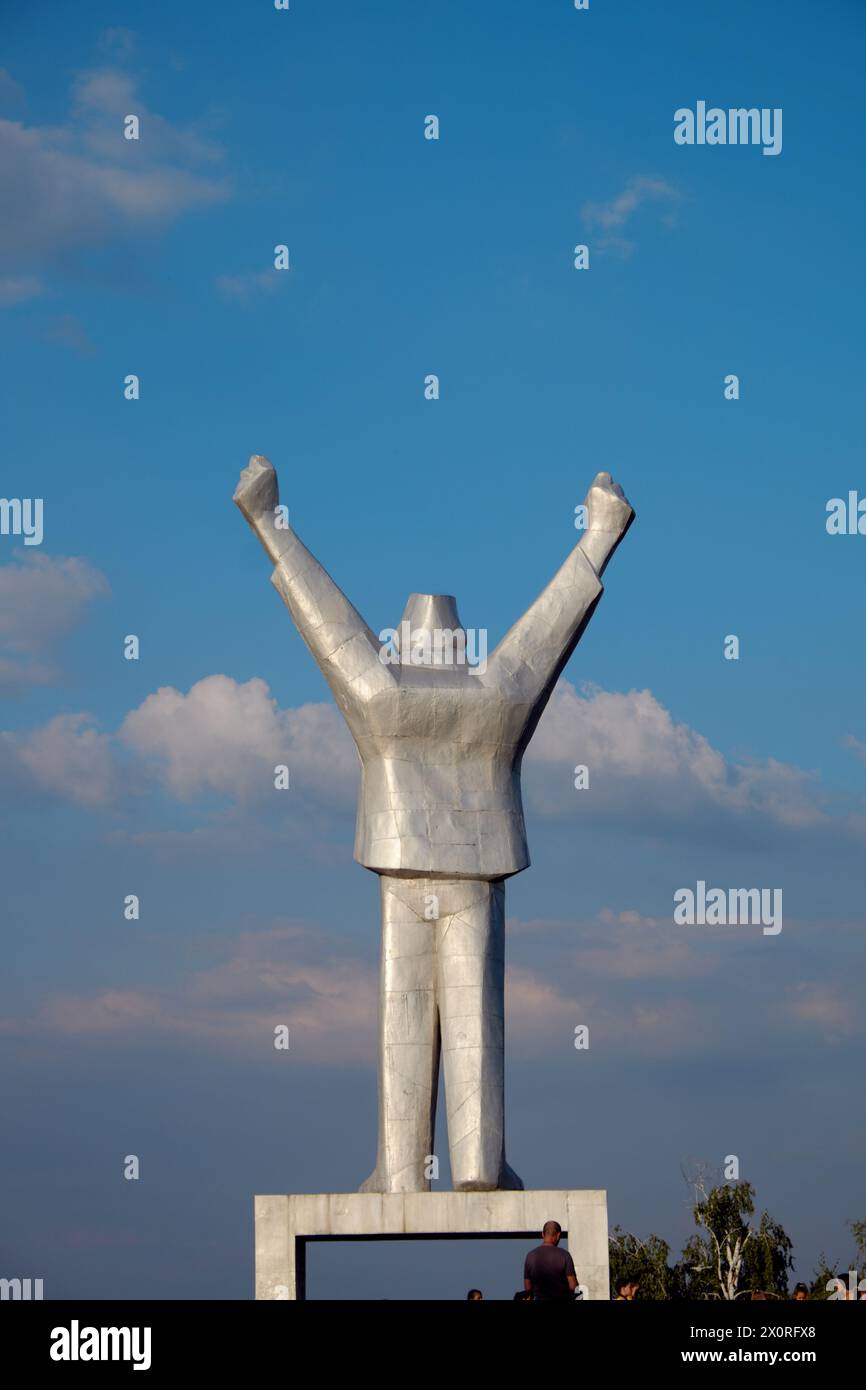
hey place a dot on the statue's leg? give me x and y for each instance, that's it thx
(470, 979)
(408, 1039)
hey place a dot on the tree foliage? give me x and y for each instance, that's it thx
(733, 1256)
(644, 1261)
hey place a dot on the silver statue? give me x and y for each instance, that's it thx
(440, 820)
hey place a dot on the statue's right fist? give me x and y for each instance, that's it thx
(257, 493)
(608, 508)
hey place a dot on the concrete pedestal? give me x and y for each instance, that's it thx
(284, 1225)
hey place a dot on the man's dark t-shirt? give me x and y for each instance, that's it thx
(548, 1268)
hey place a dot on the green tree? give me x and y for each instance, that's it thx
(645, 1261)
(825, 1273)
(858, 1231)
(732, 1256)
(821, 1280)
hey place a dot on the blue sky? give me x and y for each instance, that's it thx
(410, 257)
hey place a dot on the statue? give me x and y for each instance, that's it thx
(440, 821)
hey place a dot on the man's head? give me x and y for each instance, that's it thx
(801, 1293)
(474, 1295)
(552, 1233)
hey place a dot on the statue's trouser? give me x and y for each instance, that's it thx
(442, 982)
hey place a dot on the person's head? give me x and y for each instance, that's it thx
(633, 1287)
(622, 1287)
(801, 1293)
(552, 1233)
(474, 1295)
(757, 1294)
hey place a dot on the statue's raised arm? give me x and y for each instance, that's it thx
(344, 647)
(535, 650)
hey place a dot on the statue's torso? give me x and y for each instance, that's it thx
(440, 790)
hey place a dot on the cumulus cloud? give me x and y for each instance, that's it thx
(227, 737)
(220, 741)
(68, 187)
(646, 768)
(223, 739)
(60, 200)
(42, 597)
(69, 758)
(103, 97)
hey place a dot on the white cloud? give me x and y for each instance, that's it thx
(290, 976)
(64, 188)
(639, 189)
(41, 598)
(541, 1016)
(227, 737)
(69, 758)
(826, 1008)
(103, 97)
(645, 768)
(623, 945)
(327, 995)
(223, 739)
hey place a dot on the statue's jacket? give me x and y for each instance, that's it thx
(440, 748)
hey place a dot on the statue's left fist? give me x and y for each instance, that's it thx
(257, 493)
(608, 508)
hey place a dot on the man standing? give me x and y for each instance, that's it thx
(548, 1273)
